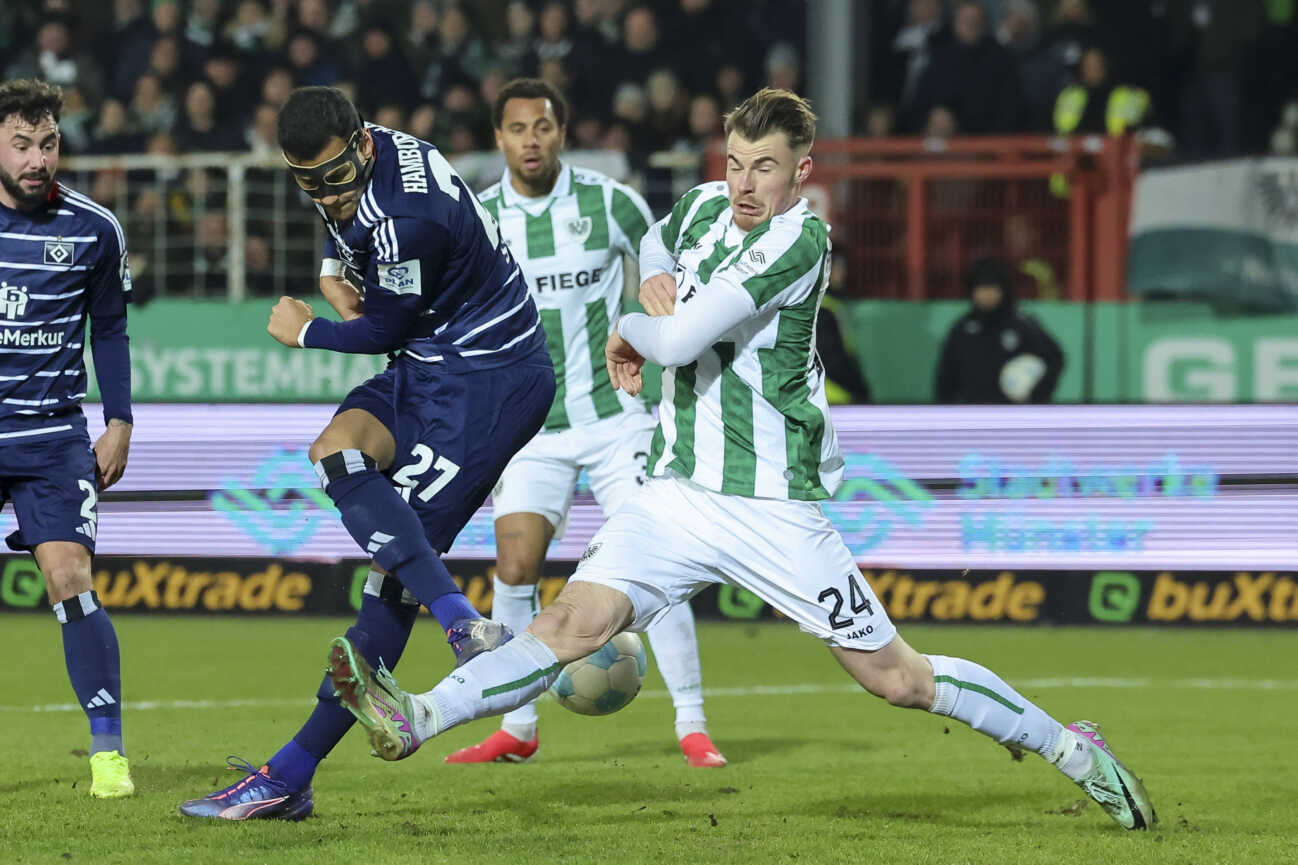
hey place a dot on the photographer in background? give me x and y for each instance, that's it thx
(994, 353)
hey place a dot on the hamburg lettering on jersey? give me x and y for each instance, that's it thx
(434, 258)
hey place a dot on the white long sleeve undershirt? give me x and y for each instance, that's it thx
(698, 321)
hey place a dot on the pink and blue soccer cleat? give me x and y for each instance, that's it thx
(1111, 784)
(256, 797)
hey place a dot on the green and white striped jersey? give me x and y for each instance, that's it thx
(570, 246)
(749, 416)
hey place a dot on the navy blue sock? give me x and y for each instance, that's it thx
(388, 529)
(380, 634)
(94, 667)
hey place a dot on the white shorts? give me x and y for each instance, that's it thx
(676, 537)
(541, 477)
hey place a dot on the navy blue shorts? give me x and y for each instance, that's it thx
(455, 431)
(52, 486)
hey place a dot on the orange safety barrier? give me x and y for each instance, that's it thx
(910, 214)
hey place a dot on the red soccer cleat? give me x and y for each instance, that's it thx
(499, 747)
(700, 752)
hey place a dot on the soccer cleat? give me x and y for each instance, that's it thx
(701, 753)
(499, 747)
(374, 697)
(256, 797)
(1111, 784)
(110, 776)
(471, 637)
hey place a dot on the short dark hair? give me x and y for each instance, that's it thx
(313, 115)
(30, 99)
(529, 88)
(773, 110)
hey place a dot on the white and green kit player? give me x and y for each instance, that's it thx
(569, 229)
(742, 456)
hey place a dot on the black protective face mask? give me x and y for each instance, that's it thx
(342, 173)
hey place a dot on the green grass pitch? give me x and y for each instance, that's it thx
(819, 773)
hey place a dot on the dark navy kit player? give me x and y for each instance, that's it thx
(62, 262)
(412, 453)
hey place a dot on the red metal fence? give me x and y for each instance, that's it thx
(910, 214)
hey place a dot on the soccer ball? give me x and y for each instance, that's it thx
(605, 681)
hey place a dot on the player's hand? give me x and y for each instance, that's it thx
(343, 296)
(624, 364)
(658, 294)
(110, 453)
(287, 318)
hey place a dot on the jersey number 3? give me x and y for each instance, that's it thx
(445, 177)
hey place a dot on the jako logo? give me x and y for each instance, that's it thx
(873, 499)
(280, 506)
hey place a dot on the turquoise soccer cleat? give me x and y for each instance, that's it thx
(1111, 784)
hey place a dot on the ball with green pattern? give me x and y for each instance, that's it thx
(603, 682)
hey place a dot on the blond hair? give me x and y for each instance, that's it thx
(774, 110)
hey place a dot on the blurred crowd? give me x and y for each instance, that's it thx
(168, 76)
(1214, 74)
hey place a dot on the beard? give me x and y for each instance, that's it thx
(26, 198)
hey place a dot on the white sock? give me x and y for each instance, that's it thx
(516, 607)
(973, 694)
(676, 650)
(1072, 756)
(491, 683)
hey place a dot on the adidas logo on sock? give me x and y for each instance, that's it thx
(377, 541)
(98, 701)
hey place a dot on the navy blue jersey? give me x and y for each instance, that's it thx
(61, 264)
(439, 285)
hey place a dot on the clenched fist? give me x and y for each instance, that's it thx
(286, 320)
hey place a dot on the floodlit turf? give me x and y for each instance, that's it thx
(818, 773)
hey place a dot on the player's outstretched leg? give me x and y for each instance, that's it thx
(961, 689)
(584, 617)
(281, 789)
(676, 651)
(517, 740)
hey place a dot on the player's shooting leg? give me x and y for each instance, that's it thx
(583, 618)
(350, 456)
(897, 673)
(89, 640)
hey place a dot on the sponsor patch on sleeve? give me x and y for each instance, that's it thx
(400, 278)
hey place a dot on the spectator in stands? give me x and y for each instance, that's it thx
(517, 51)
(940, 125)
(596, 41)
(994, 353)
(54, 58)
(261, 136)
(1041, 74)
(1071, 29)
(642, 47)
(972, 75)
(164, 64)
(308, 64)
(126, 52)
(75, 122)
(554, 43)
(666, 118)
(1219, 37)
(383, 76)
(200, 128)
(730, 89)
(782, 70)
(423, 122)
(702, 32)
(113, 133)
(391, 115)
(909, 55)
(152, 108)
(223, 69)
(457, 57)
(250, 27)
(421, 37)
(276, 87)
(202, 25)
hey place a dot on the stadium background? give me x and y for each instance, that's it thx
(1085, 514)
